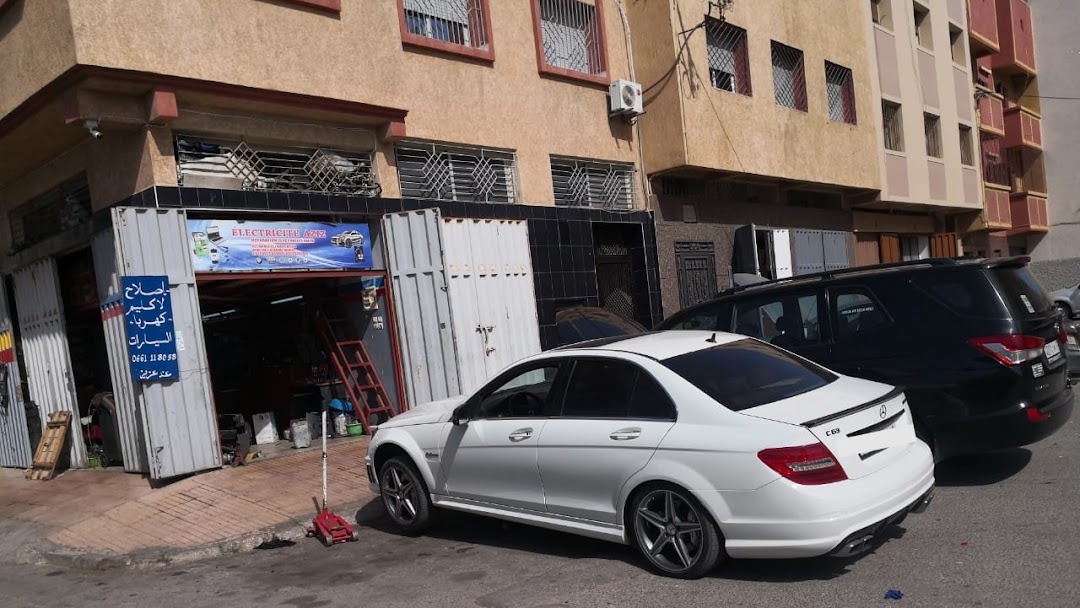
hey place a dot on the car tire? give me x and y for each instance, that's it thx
(695, 548)
(405, 496)
(1065, 310)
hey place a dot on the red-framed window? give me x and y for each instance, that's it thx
(789, 76)
(729, 59)
(840, 90)
(457, 27)
(570, 39)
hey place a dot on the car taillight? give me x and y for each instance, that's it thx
(1034, 415)
(809, 465)
(1010, 349)
(1063, 336)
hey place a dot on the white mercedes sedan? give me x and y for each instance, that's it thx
(690, 446)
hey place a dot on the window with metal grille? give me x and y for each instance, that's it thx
(586, 183)
(967, 147)
(453, 173)
(840, 90)
(231, 165)
(64, 207)
(789, 76)
(881, 11)
(572, 36)
(729, 61)
(460, 22)
(995, 169)
(892, 121)
(924, 30)
(932, 128)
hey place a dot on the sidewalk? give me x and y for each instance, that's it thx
(116, 518)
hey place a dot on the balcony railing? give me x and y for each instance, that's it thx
(1029, 214)
(1017, 53)
(994, 161)
(998, 209)
(983, 28)
(991, 112)
(1023, 128)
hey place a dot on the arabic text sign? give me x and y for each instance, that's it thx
(150, 333)
(244, 246)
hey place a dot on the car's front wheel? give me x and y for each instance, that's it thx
(404, 495)
(674, 533)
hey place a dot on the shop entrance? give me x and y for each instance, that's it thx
(269, 342)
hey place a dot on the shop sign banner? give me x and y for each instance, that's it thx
(245, 246)
(151, 336)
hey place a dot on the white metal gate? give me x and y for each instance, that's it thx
(129, 418)
(45, 347)
(491, 290)
(422, 305)
(178, 418)
(15, 448)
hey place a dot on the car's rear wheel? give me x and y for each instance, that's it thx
(404, 495)
(674, 533)
(1065, 310)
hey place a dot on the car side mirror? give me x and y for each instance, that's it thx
(460, 415)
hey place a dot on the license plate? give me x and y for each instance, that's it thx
(1052, 350)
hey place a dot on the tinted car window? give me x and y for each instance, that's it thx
(605, 388)
(707, 318)
(748, 373)
(857, 314)
(650, 401)
(968, 294)
(786, 321)
(523, 395)
(1023, 293)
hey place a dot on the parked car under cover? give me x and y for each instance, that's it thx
(976, 343)
(690, 446)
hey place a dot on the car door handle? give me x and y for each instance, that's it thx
(626, 434)
(521, 434)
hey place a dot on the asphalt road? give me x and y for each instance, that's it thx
(1002, 532)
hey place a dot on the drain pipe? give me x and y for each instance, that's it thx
(646, 188)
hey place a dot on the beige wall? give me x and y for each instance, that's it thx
(926, 81)
(36, 46)
(761, 137)
(355, 56)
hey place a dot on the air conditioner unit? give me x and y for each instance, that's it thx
(625, 99)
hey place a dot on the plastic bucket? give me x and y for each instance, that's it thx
(301, 433)
(355, 429)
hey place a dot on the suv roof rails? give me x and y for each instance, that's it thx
(880, 268)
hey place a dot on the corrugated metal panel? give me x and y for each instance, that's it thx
(45, 347)
(808, 250)
(422, 305)
(837, 251)
(15, 448)
(128, 412)
(491, 288)
(782, 253)
(180, 423)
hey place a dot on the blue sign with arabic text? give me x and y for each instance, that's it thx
(150, 333)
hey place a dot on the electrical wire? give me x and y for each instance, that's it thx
(720, 122)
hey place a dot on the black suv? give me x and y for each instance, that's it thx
(976, 343)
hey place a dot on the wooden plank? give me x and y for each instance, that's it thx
(51, 447)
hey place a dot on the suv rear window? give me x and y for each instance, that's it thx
(1020, 289)
(748, 373)
(982, 293)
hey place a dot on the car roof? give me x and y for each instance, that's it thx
(659, 345)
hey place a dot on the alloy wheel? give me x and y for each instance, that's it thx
(669, 529)
(399, 492)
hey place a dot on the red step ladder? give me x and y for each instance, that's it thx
(353, 365)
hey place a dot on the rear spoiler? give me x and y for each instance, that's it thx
(1018, 261)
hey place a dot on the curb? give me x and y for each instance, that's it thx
(51, 554)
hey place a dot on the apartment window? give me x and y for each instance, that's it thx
(881, 11)
(64, 207)
(932, 128)
(893, 122)
(729, 61)
(572, 37)
(840, 90)
(789, 76)
(456, 173)
(586, 183)
(456, 26)
(967, 146)
(924, 28)
(956, 40)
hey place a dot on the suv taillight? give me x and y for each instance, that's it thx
(1010, 350)
(809, 465)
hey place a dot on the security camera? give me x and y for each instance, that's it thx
(92, 127)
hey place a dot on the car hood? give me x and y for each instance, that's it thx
(428, 413)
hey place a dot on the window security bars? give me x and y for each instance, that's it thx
(457, 173)
(454, 21)
(892, 120)
(789, 77)
(932, 125)
(571, 36)
(232, 165)
(64, 207)
(729, 61)
(840, 89)
(580, 183)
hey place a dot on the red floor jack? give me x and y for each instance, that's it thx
(327, 525)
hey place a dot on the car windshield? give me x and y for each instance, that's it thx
(748, 373)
